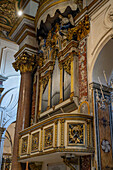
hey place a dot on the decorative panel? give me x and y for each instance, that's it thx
(48, 137)
(61, 133)
(104, 133)
(35, 142)
(105, 137)
(24, 145)
(76, 134)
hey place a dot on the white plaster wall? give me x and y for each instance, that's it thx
(31, 8)
(8, 106)
(101, 32)
(7, 52)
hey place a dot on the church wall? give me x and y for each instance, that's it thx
(100, 33)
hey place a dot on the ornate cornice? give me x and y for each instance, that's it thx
(26, 46)
(25, 63)
(28, 17)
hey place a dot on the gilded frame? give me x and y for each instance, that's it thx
(84, 134)
(47, 129)
(39, 139)
(26, 139)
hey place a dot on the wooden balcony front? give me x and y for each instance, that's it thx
(59, 134)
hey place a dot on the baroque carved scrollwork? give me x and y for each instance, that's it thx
(76, 134)
(67, 66)
(80, 31)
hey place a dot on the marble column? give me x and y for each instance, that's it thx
(25, 63)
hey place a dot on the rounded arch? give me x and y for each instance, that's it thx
(97, 50)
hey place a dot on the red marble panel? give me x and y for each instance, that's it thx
(83, 90)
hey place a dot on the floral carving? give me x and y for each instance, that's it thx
(106, 146)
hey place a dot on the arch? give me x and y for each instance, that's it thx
(100, 45)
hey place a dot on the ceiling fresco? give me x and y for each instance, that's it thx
(8, 15)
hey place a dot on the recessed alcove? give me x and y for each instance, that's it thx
(104, 62)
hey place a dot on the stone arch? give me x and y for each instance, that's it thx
(97, 51)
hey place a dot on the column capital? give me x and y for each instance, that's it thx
(25, 62)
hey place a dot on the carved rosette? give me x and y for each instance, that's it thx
(25, 63)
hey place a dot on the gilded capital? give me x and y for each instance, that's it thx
(25, 63)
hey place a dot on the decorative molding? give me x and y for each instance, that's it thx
(56, 129)
(26, 48)
(62, 121)
(27, 33)
(84, 107)
(28, 17)
(69, 116)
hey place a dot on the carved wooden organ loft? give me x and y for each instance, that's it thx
(56, 93)
(57, 71)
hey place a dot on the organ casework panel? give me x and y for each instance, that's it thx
(58, 63)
